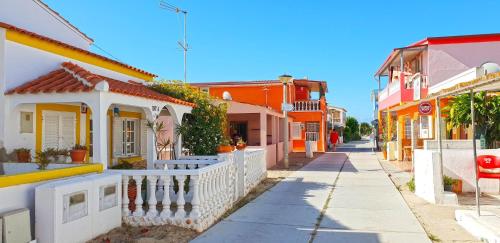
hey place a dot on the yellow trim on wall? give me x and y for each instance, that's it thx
(131, 114)
(52, 47)
(38, 176)
(87, 133)
(54, 107)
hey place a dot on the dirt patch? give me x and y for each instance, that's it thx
(170, 233)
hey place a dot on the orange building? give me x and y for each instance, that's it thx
(307, 120)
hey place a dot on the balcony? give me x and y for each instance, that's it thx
(306, 105)
(404, 88)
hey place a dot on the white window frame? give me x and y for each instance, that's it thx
(296, 130)
(128, 146)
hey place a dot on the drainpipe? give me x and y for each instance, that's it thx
(439, 138)
(473, 121)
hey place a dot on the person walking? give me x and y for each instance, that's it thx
(334, 138)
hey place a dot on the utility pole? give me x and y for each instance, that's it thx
(285, 79)
(184, 45)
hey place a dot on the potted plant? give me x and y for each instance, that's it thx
(78, 153)
(241, 145)
(23, 154)
(62, 155)
(448, 183)
(51, 154)
(42, 159)
(225, 146)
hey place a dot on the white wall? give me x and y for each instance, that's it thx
(14, 137)
(2, 85)
(448, 60)
(24, 63)
(29, 15)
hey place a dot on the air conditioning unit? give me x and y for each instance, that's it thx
(106, 212)
(15, 226)
(62, 211)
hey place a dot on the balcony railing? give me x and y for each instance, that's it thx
(193, 192)
(408, 81)
(307, 105)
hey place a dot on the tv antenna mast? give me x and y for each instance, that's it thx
(183, 45)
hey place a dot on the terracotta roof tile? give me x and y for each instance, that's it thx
(73, 78)
(41, 37)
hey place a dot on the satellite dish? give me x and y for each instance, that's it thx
(490, 67)
(226, 96)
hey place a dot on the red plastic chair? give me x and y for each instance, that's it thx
(488, 167)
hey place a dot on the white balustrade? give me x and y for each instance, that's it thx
(192, 192)
(307, 105)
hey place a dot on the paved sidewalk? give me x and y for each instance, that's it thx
(339, 197)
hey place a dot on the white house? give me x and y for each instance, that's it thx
(55, 93)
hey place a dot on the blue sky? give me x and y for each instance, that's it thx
(342, 42)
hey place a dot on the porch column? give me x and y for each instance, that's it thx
(100, 134)
(150, 139)
(263, 129)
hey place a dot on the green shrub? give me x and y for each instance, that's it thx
(203, 130)
(411, 184)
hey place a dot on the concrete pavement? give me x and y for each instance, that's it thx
(339, 197)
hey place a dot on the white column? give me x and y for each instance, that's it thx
(263, 129)
(151, 146)
(3, 105)
(100, 133)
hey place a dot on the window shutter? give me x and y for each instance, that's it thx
(144, 138)
(296, 131)
(117, 137)
(68, 130)
(50, 132)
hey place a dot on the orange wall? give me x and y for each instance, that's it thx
(303, 117)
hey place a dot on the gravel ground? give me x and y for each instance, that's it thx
(174, 234)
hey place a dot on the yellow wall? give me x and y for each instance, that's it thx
(38, 176)
(55, 107)
(58, 49)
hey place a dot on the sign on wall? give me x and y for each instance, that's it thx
(425, 108)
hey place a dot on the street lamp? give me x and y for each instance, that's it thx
(285, 79)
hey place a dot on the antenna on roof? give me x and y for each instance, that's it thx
(184, 45)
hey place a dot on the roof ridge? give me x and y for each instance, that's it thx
(78, 77)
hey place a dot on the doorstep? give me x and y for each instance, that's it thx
(485, 227)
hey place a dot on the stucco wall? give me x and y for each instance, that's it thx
(253, 126)
(29, 15)
(448, 60)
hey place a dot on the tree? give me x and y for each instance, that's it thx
(365, 129)
(487, 114)
(353, 126)
(203, 130)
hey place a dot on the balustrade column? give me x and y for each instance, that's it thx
(180, 214)
(139, 212)
(125, 200)
(165, 202)
(152, 212)
(195, 202)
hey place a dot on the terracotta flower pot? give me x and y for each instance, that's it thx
(457, 186)
(23, 156)
(241, 146)
(225, 148)
(132, 194)
(78, 156)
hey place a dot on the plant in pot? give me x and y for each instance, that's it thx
(78, 153)
(51, 154)
(241, 145)
(225, 146)
(457, 186)
(448, 183)
(62, 155)
(42, 159)
(23, 154)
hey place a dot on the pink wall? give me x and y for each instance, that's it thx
(253, 126)
(448, 60)
(271, 155)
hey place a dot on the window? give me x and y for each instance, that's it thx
(296, 131)
(205, 90)
(407, 128)
(26, 122)
(312, 131)
(129, 137)
(425, 127)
